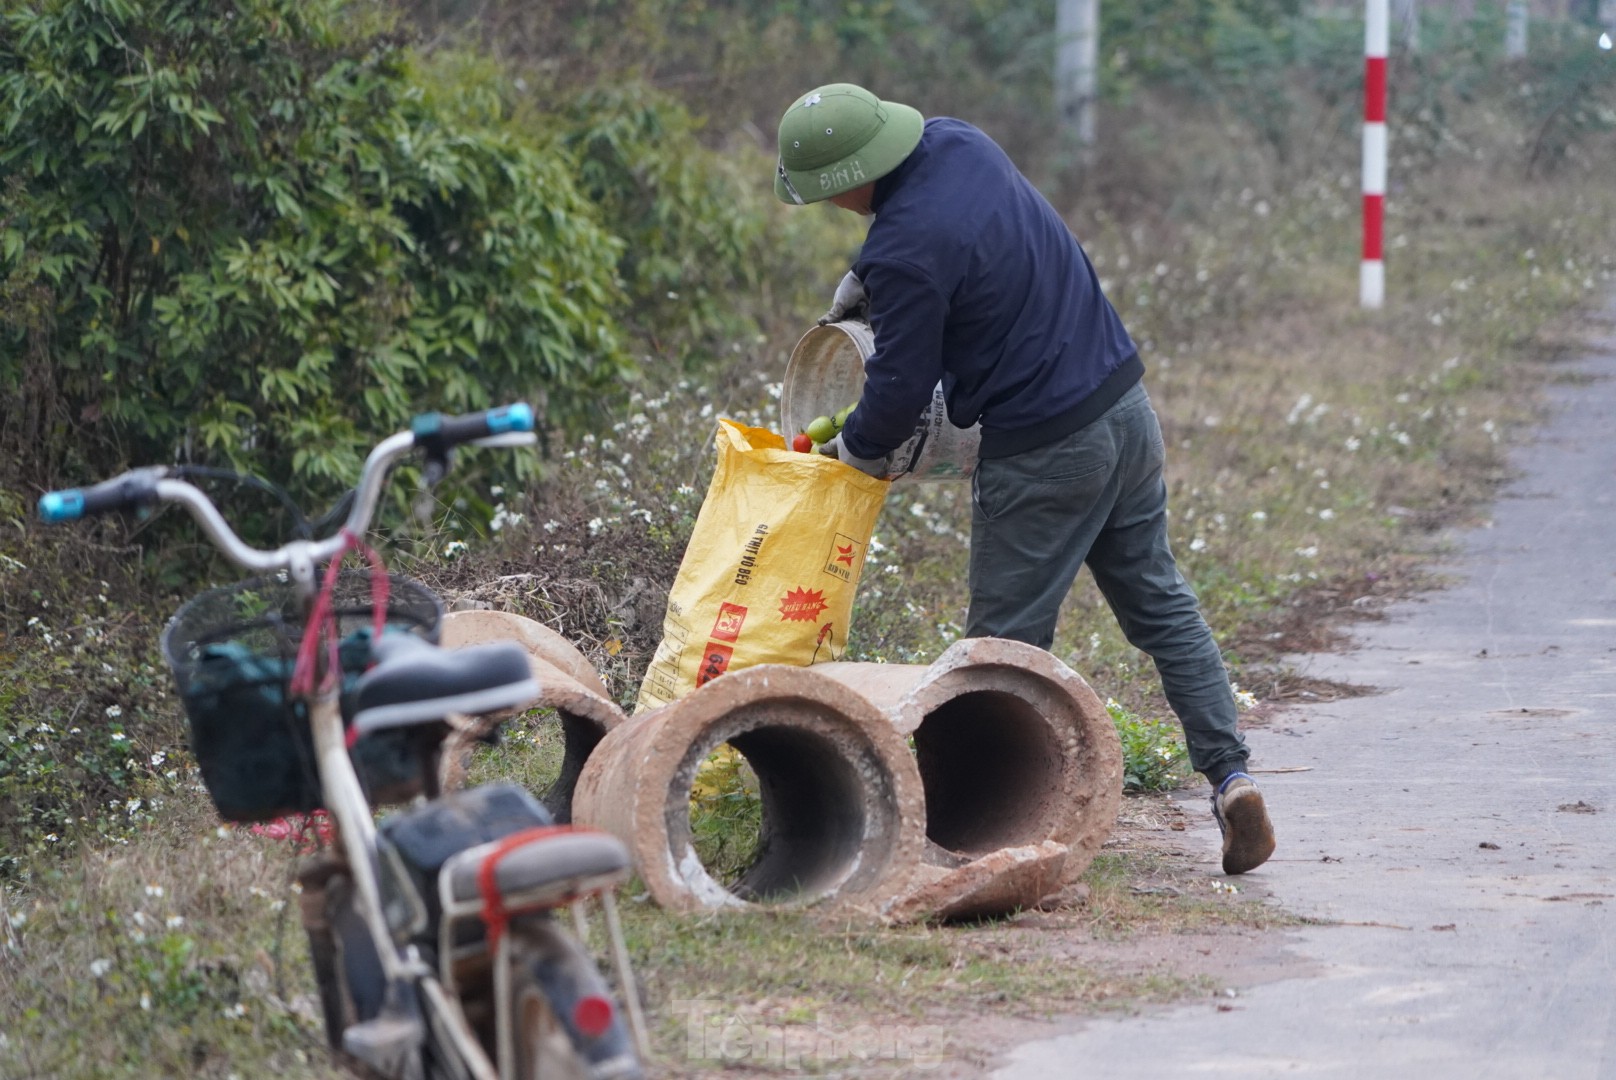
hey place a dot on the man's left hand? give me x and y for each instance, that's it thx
(850, 301)
(876, 467)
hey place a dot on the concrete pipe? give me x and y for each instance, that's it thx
(567, 684)
(475, 627)
(1014, 749)
(843, 810)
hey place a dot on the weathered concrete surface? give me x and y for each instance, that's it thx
(476, 626)
(567, 684)
(1006, 880)
(843, 809)
(1014, 748)
(1456, 832)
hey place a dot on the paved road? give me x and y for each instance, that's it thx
(1445, 827)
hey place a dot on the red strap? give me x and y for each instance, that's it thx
(379, 586)
(323, 623)
(495, 915)
(302, 681)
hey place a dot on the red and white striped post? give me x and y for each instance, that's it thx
(1372, 274)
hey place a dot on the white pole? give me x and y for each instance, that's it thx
(1372, 272)
(1077, 51)
(1515, 19)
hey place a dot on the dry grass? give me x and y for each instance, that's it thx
(176, 952)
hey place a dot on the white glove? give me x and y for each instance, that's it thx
(876, 467)
(849, 302)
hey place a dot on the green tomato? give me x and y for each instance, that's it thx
(822, 429)
(841, 417)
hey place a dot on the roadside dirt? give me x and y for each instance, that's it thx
(1159, 925)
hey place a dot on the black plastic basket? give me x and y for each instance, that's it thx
(232, 650)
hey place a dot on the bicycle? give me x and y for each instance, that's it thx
(433, 933)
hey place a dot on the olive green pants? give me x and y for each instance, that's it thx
(1097, 497)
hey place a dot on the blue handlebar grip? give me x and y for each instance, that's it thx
(439, 433)
(517, 417)
(56, 507)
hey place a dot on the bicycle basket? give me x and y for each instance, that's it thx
(232, 650)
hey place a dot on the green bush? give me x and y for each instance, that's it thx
(265, 232)
(687, 256)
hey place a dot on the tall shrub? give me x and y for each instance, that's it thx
(691, 230)
(255, 231)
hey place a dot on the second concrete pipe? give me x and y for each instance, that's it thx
(1020, 764)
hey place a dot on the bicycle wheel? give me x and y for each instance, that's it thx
(566, 1022)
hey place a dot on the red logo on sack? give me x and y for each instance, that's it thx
(714, 662)
(802, 605)
(727, 627)
(843, 557)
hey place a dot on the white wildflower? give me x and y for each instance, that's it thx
(503, 517)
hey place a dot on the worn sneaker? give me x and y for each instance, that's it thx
(1248, 835)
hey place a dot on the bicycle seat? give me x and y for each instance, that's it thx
(416, 682)
(539, 868)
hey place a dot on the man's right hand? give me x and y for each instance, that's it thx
(876, 467)
(849, 302)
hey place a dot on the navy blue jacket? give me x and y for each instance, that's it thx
(975, 281)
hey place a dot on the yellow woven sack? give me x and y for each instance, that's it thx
(771, 568)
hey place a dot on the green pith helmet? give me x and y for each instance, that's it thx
(840, 137)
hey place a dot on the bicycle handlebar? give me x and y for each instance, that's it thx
(134, 488)
(433, 432)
